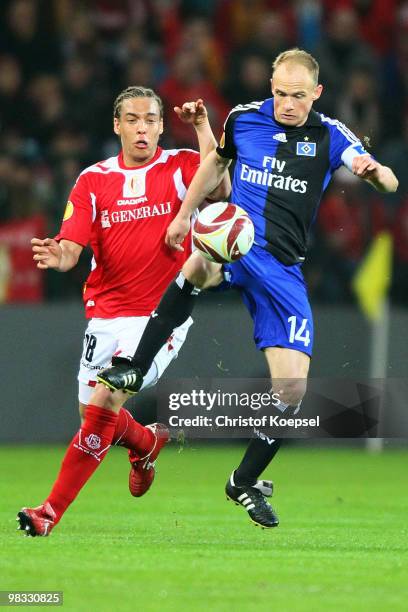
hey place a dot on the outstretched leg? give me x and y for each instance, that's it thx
(288, 369)
(86, 451)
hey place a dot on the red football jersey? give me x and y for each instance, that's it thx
(123, 213)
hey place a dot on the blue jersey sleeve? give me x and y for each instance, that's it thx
(344, 145)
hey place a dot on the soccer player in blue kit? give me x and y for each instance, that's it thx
(285, 156)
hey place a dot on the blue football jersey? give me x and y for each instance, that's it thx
(282, 171)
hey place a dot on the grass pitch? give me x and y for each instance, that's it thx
(342, 543)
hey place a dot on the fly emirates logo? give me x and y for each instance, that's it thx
(126, 215)
(271, 176)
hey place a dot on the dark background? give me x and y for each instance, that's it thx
(63, 62)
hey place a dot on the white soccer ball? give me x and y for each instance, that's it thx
(223, 232)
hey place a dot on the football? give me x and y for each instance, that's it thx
(223, 232)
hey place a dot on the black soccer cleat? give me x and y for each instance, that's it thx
(122, 374)
(252, 498)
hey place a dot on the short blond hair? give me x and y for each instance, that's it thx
(135, 91)
(298, 56)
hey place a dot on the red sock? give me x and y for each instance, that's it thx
(85, 452)
(131, 434)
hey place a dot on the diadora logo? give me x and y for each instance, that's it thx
(93, 441)
(281, 137)
(131, 201)
(307, 149)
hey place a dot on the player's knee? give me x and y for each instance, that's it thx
(291, 391)
(104, 398)
(197, 271)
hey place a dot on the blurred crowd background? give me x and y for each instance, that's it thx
(62, 63)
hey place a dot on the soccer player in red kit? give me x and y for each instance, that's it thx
(121, 207)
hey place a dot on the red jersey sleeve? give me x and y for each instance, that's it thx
(190, 164)
(79, 213)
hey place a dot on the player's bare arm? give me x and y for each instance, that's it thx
(380, 177)
(51, 254)
(208, 177)
(195, 113)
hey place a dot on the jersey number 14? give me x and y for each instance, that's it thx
(301, 334)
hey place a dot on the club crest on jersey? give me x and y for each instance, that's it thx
(307, 149)
(134, 185)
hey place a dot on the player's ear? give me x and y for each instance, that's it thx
(116, 126)
(271, 81)
(161, 127)
(317, 92)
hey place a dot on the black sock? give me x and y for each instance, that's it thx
(174, 308)
(257, 457)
